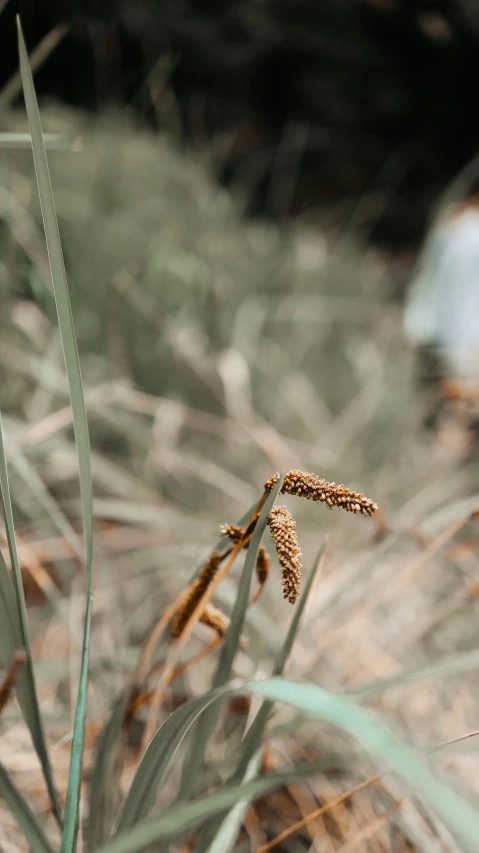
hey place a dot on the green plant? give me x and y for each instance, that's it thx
(211, 817)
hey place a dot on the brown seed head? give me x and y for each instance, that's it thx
(314, 488)
(196, 591)
(270, 484)
(262, 565)
(232, 532)
(283, 531)
(215, 619)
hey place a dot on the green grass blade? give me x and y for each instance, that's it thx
(26, 682)
(183, 818)
(22, 814)
(407, 762)
(39, 55)
(155, 762)
(255, 734)
(191, 769)
(103, 777)
(80, 424)
(10, 635)
(233, 635)
(24, 140)
(229, 829)
(448, 665)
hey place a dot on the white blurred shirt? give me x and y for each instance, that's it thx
(443, 304)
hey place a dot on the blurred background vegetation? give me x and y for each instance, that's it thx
(241, 189)
(361, 106)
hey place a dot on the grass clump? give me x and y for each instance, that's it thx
(181, 445)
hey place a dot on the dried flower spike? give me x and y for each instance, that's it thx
(262, 565)
(232, 532)
(197, 588)
(215, 619)
(283, 530)
(270, 484)
(314, 488)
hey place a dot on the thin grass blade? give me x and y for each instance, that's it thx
(233, 634)
(156, 760)
(191, 769)
(23, 814)
(255, 734)
(408, 763)
(103, 777)
(229, 829)
(10, 635)
(39, 55)
(447, 665)
(80, 424)
(16, 628)
(24, 140)
(183, 818)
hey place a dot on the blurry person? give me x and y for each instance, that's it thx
(442, 307)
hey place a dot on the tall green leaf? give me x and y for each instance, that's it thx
(225, 837)
(447, 665)
(104, 782)
(155, 762)
(15, 629)
(183, 818)
(23, 814)
(10, 635)
(191, 769)
(399, 756)
(255, 734)
(72, 365)
(39, 55)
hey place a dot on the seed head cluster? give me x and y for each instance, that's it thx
(196, 591)
(314, 488)
(283, 530)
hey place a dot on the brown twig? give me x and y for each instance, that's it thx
(313, 815)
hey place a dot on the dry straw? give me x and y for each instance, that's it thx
(283, 530)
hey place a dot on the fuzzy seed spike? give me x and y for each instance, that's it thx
(232, 532)
(215, 619)
(196, 591)
(315, 488)
(262, 565)
(283, 530)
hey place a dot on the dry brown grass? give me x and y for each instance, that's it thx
(309, 369)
